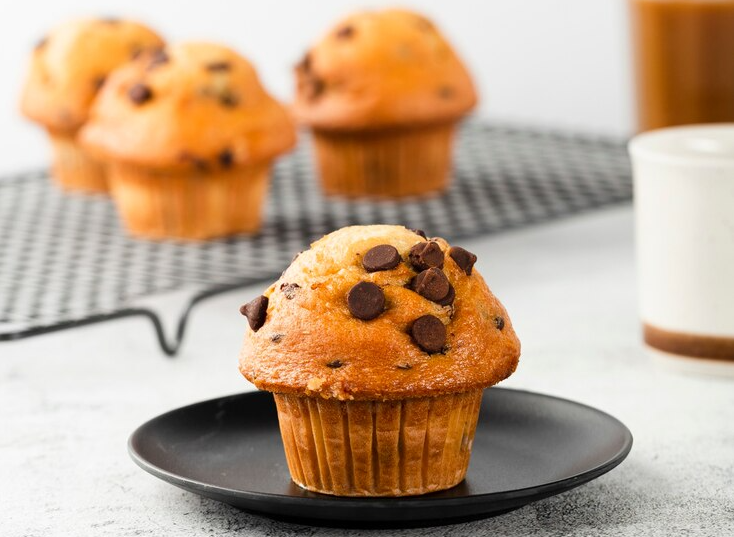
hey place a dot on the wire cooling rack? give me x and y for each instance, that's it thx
(65, 260)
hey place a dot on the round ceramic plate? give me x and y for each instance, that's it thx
(528, 446)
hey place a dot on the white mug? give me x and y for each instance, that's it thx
(684, 211)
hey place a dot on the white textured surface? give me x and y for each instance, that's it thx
(68, 402)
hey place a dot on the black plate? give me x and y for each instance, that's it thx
(528, 446)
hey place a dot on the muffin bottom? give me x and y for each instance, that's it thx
(378, 448)
(159, 204)
(73, 169)
(385, 163)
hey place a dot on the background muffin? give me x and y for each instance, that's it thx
(68, 67)
(189, 134)
(382, 92)
(377, 344)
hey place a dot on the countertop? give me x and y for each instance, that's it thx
(69, 400)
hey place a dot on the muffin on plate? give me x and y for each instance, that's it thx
(383, 92)
(68, 67)
(377, 344)
(189, 135)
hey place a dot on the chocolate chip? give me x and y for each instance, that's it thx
(463, 258)
(419, 232)
(305, 63)
(218, 66)
(256, 310)
(314, 87)
(228, 99)
(499, 322)
(98, 82)
(290, 290)
(334, 364)
(366, 301)
(432, 284)
(158, 57)
(446, 92)
(429, 333)
(199, 163)
(275, 338)
(310, 85)
(449, 298)
(318, 86)
(382, 257)
(426, 255)
(226, 158)
(404, 367)
(345, 32)
(140, 93)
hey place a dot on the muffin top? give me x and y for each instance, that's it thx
(71, 63)
(378, 312)
(189, 105)
(377, 69)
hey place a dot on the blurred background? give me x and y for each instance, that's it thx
(565, 63)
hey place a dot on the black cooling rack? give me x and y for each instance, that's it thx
(65, 260)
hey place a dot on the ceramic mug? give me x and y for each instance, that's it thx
(684, 211)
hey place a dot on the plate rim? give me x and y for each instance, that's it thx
(532, 493)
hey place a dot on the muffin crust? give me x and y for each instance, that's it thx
(72, 63)
(382, 69)
(310, 343)
(192, 105)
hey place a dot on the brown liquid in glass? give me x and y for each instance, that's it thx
(684, 56)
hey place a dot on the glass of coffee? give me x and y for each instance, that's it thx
(684, 61)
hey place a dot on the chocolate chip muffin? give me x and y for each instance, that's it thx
(68, 67)
(377, 344)
(382, 92)
(190, 135)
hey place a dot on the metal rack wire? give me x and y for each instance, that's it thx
(65, 260)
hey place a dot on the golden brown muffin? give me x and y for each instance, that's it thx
(377, 344)
(383, 92)
(67, 69)
(190, 135)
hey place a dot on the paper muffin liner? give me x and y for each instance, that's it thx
(386, 163)
(378, 448)
(74, 169)
(160, 204)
